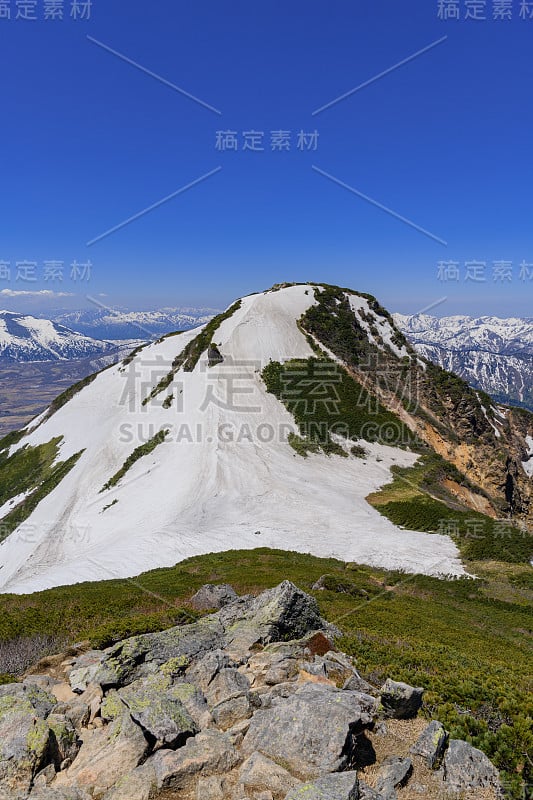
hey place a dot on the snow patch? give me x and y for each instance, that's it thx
(528, 464)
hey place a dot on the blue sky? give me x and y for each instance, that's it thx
(89, 140)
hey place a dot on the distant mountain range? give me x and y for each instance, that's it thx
(123, 324)
(24, 338)
(492, 354)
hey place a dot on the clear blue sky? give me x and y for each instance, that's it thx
(89, 140)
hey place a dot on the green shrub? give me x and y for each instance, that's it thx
(139, 452)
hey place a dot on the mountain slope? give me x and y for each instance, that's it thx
(492, 354)
(25, 338)
(177, 457)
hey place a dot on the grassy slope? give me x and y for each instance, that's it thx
(471, 651)
(30, 469)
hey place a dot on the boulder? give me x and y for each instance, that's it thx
(279, 614)
(467, 768)
(107, 754)
(210, 597)
(64, 741)
(311, 732)
(431, 744)
(137, 785)
(202, 671)
(259, 773)
(208, 753)
(210, 788)
(156, 706)
(393, 773)
(53, 793)
(366, 793)
(84, 669)
(342, 786)
(401, 701)
(24, 743)
(139, 656)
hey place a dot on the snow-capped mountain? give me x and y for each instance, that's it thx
(25, 338)
(492, 354)
(189, 446)
(123, 324)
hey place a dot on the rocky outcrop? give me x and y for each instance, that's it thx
(252, 702)
(210, 597)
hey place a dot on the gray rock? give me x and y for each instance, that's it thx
(356, 683)
(366, 793)
(137, 785)
(313, 731)
(156, 706)
(226, 685)
(280, 614)
(57, 793)
(136, 657)
(77, 712)
(467, 768)
(342, 786)
(24, 744)
(64, 741)
(45, 776)
(393, 773)
(194, 701)
(45, 682)
(260, 773)
(230, 712)
(431, 744)
(202, 671)
(210, 596)
(84, 669)
(211, 788)
(107, 755)
(401, 701)
(208, 753)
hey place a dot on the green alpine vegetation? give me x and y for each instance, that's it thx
(468, 642)
(139, 452)
(33, 471)
(190, 355)
(417, 500)
(326, 400)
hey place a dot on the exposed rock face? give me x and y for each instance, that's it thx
(343, 786)
(400, 700)
(250, 703)
(314, 731)
(468, 768)
(431, 744)
(210, 597)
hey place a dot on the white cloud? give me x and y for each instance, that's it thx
(37, 293)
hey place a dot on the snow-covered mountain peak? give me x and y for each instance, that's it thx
(27, 338)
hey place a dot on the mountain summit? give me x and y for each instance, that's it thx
(268, 426)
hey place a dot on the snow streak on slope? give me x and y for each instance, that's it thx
(528, 465)
(224, 479)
